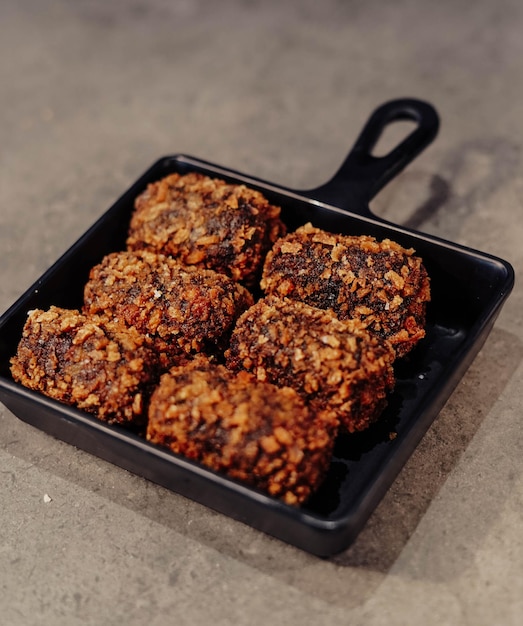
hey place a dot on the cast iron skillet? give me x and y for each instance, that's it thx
(468, 291)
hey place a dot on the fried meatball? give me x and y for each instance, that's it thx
(102, 368)
(382, 284)
(337, 366)
(183, 309)
(206, 222)
(250, 430)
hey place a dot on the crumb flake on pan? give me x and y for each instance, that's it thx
(206, 222)
(337, 366)
(252, 431)
(380, 283)
(183, 309)
(100, 367)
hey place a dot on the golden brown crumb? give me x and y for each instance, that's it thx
(100, 367)
(380, 283)
(252, 431)
(206, 222)
(183, 309)
(337, 366)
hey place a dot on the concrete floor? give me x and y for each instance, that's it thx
(92, 93)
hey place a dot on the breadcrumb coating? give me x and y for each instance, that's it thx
(206, 222)
(183, 309)
(380, 283)
(252, 431)
(255, 390)
(100, 367)
(337, 366)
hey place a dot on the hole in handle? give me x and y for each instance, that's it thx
(392, 136)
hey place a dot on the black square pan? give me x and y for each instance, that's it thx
(468, 291)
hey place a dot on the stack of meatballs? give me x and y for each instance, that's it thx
(223, 337)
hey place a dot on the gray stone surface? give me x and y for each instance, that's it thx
(92, 92)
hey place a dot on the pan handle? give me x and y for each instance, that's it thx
(362, 175)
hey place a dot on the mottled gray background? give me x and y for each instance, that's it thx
(91, 93)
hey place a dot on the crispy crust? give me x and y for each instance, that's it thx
(206, 222)
(314, 355)
(250, 430)
(337, 366)
(99, 367)
(183, 309)
(382, 284)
